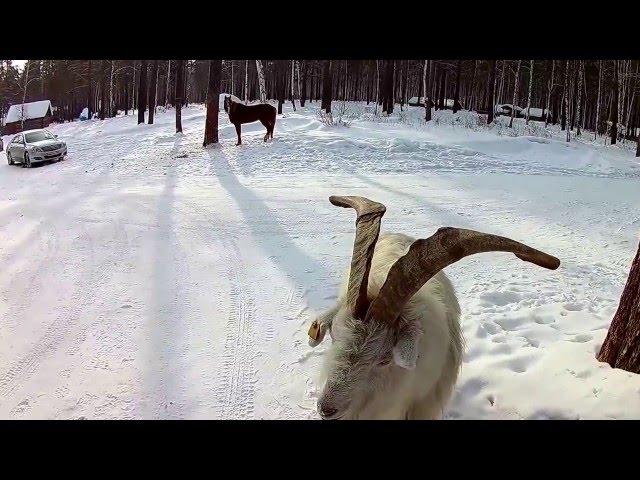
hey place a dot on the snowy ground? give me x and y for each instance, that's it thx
(147, 277)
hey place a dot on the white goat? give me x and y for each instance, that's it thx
(397, 345)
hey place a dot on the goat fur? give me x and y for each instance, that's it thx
(422, 392)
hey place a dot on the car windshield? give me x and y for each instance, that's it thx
(38, 136)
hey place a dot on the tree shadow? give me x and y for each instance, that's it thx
(275, 240)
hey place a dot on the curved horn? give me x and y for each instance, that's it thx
(426, 257)
(367, 229)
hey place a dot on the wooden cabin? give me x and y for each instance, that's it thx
(36, 115)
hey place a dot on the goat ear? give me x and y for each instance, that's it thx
(405, 351)
(320, 325)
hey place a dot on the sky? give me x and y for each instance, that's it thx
(19, 63)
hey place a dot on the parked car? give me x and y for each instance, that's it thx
(33, 146)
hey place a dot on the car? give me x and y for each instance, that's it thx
(34, 146)
(1, 145)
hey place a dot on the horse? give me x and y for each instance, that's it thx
(239, 114)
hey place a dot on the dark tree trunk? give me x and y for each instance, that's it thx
(142, 91)
(621, 347)
(388, 87)
(213, 95)
(473, 85)
(281, 82)
(441, 96)
(103, 90)
(90, 91)
(126, 94)
(614, 105)
(492, 77)
(179, 93)
(326, 86)
(456, 95)
(303, 88)
(152, 90)
(428, 102)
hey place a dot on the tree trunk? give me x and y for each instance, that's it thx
(293, 90)
(621, 347)
(166, 95)
(303, 90)
(492, 75)
(281, 78)
(261, 83)
(89, 92)
(456, 95)
(530, 86)
(103, 90)
(549, 90)
(326, 86)
(142, 91)
(579, 99)
(388, 87)
(152, 90)
(213, 95)
(614, 104)
(515, 94)
(179, 93)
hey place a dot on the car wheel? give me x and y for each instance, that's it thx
(27, 160)
(9, 159)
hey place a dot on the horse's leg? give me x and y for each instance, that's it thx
(238, 127)
(266, 125)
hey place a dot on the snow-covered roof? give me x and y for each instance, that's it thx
(31, 110)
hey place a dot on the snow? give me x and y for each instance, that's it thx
(147, 277)
(31, 110)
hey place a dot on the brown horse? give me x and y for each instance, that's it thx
(239, 114)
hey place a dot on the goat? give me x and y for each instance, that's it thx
(396, 340)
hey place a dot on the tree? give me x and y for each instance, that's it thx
(621, 347)
(579, 98)
(213, 95)
(246, 81)
(515, 94)
(456, 95)
(89, 91)
(142, 91)
(179, 93)
(549, 90)
(153, 90)
(597, 125)
(492, 75)
(326, 86)
(261, 82)
(530, 87)
(166, 95)
(614, 104)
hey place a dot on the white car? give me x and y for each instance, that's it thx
(33, 146)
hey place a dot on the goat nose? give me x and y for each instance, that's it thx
(327, 412)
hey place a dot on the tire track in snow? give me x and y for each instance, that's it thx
(236, 390)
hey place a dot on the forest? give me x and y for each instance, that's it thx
(597, 95)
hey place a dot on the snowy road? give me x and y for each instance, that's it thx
(146, 277)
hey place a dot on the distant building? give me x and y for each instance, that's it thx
(36, 115)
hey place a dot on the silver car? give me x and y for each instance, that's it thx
(33, 146)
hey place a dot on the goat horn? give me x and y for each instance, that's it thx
(426, 257)
(367, 230)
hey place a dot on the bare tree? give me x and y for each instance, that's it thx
(515, 93)
(246, 81)
(179, 94)
(213, 95)
(326, 86)
(142, 91)
(530, 87)
(579, 98)
(166, 94)
(153, 90)
(456, 95)
(614, 104)
(621, 347)
(261, 82)
(549, 90)
(491, 106)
